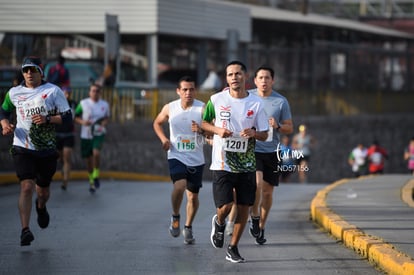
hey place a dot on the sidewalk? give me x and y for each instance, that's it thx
(372, 215)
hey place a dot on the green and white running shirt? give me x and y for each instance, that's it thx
(94, 112)
(235, 154)
(45, 99)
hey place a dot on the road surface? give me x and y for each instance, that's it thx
(123, 229)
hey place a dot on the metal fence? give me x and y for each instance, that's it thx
(127, 106)
(132, 104)
(322, 79)
(339, 67)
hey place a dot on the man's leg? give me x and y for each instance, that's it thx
(218, 225)
(223, 212)
(301, 170)
(192, 207)
(239, 224)
(43, 194)
(89, 167)
(25, 201)
(232, 217)
(232, 253)
(254, 229)
(255, 208)
(25, 208)
(43, 217)
(266, 205)
(96, 158)
(177, 195)
(67, 164)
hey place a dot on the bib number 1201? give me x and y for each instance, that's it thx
(235, 145)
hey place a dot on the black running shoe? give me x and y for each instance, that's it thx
(217, 233)
(260, 239)
(233, 255)
(42, 216)
(254, 229)
(26, 237)
(92, 188)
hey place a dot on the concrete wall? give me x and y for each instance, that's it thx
(134, 147)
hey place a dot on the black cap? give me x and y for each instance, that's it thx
(33, 61)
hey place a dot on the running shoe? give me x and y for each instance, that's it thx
(233, 255)
(188, 235)
(217, 233)
(229, 228)
(26, 237)
(261, 239)
(254, 229)
(175, 226)
(92, 188)
(42, 216)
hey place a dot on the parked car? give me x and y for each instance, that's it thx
(170, 77)
(81, 72)
(8, 74)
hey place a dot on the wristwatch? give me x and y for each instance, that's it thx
(48, 119)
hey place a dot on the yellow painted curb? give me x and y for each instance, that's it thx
(9, 178)
(375, 250)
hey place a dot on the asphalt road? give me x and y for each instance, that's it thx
(123, 229)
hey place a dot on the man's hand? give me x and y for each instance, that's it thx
(39, 119)
(7, 128)
(224, 133)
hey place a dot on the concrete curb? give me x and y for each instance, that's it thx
(10, 178)
(372, 248)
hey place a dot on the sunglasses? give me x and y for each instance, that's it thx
(30, 69)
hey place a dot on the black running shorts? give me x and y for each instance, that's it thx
(268, 164)
(38, 166)
(243, 183)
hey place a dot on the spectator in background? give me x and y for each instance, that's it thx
(287, 161)
(409, 155)
(18, 79)
(303, 142)
(358, 160)
(108, 77)
(59, 74)
(376, 158)
(65, 140)
(212, 82)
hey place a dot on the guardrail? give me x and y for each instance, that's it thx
(134, 103)
(131, 103)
